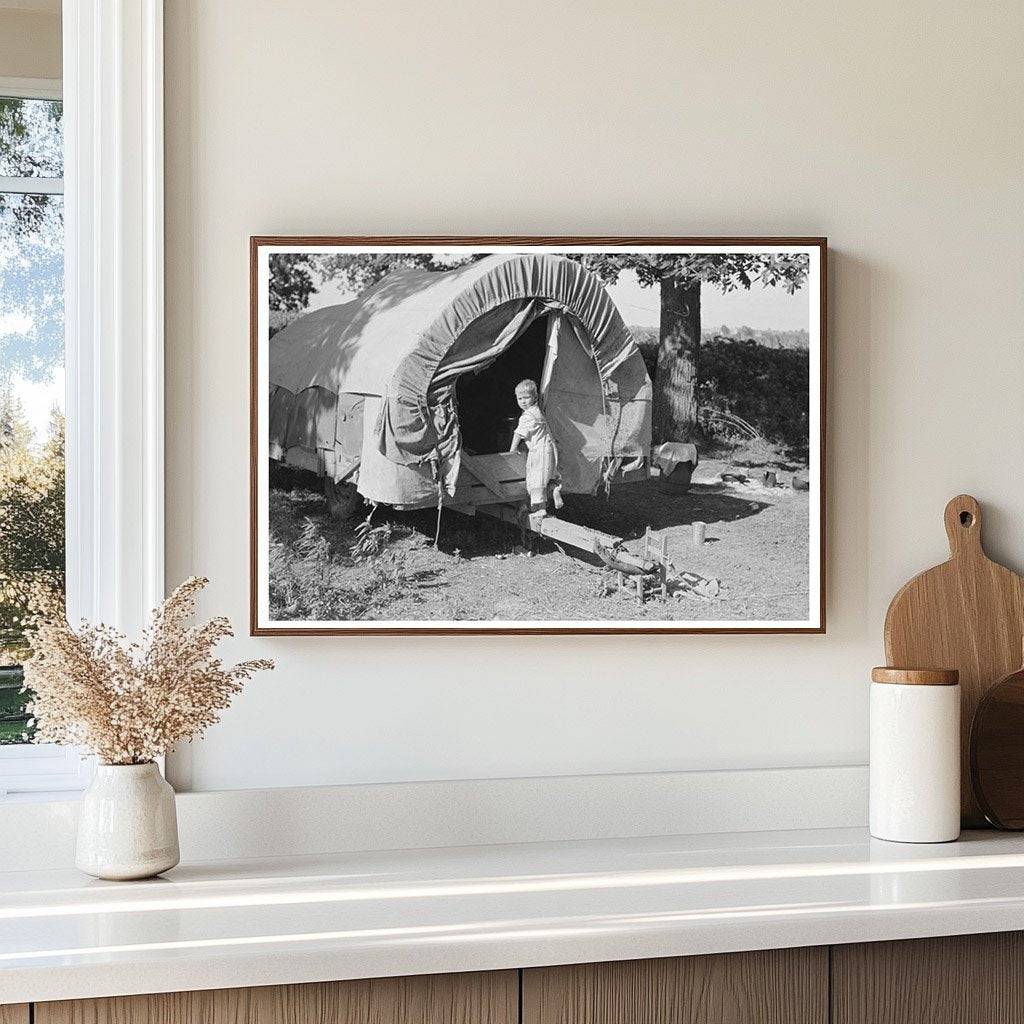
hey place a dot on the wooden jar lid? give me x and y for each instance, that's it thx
(916, 676)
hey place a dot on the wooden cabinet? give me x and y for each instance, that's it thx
(491, 998)
(777, 986)
(970, 979)
(967, 979)
(962, 979)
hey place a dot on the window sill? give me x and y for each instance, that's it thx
(43, 771)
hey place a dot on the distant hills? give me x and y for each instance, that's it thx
(768, 338)
(647, 337)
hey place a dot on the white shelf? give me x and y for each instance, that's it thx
(351, 915)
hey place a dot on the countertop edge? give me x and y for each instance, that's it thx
(555, 944)
(235, 924)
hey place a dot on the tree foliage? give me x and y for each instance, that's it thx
(295, 276)
(727, 271)
(768, 387)
(31, 348)
(31, 525)
(31, 138)
(291, 281)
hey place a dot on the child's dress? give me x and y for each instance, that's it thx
(541, 457)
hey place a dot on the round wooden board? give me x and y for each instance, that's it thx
(997, 753)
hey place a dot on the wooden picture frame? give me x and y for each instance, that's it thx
(262, 247)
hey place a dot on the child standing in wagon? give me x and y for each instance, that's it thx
(541, 454)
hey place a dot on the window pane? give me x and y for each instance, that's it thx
(31, 138)
(31, 293)
(31, 432)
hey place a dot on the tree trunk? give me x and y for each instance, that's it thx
(675, 379)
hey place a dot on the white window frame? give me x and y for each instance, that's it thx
(32, 88)
(114, 326)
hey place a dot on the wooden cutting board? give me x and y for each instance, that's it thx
(967, 614)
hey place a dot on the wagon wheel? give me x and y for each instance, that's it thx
(342, 498)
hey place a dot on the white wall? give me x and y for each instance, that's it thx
(30, 39)
(895, 129)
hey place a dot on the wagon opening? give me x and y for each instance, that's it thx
(486, 400)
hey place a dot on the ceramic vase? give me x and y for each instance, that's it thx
(127, 825)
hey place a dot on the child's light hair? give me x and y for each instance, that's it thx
(527, 385)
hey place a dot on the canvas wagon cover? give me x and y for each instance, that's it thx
(391, 357)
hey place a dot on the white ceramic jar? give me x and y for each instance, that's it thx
(915, 755)
(127, 824)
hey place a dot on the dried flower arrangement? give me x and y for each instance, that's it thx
(129, 703)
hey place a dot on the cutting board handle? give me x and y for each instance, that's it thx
(963, 526)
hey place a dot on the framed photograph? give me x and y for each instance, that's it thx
(537, 435)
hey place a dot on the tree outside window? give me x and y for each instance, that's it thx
(31, 387)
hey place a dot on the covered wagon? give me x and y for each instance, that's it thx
(406, 395)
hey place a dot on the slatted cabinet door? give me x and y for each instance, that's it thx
(961, 979)
(776, 986)
(482, 998)
(14, 1013)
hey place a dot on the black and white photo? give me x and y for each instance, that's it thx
(537, 435)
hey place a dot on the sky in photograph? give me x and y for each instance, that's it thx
(760, 308)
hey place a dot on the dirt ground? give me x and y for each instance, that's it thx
(755, 556)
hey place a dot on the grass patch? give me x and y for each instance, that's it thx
(323, 569)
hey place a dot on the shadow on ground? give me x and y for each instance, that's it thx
(626, 513)
(631, 508)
